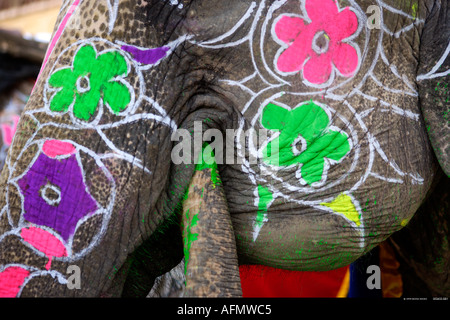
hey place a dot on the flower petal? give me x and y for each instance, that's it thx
(317, 70)
(86, 104)
(309, 120)
(288, 28)
(321, 10)
(116, 95)
(147, 56)
(110, 65)
(332, 145)
(54, 148)
(62, 100)
(84, 61)
(337, 145)
(293, 58)
(342, 25)
(62, 78)
(312, 170)
(345, 58)
(45, 242)
(11, 280)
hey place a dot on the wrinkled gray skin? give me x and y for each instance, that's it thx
(170, 284)
(221, 71)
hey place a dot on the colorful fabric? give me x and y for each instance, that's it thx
(391, 279)
(351, 281)
(261, 281)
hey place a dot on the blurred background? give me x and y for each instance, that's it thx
(26, 27)
(33, 18)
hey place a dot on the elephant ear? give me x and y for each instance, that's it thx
(433, 80)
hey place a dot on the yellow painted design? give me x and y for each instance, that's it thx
(404, 222)
(414, 10)
(343, 204)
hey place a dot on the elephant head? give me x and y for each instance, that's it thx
(317, 128)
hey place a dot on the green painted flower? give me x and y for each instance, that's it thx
(88, 80)
(305, 138)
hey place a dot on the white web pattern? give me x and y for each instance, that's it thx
(258, 16)
(272, 81)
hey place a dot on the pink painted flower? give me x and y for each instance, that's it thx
(317, 47)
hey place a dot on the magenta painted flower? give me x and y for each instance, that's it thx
(317, 46)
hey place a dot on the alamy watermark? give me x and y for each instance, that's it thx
(74, 279)
(374, 280)
(374, 20)
(236, 147)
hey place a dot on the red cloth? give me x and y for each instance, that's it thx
(260, 281)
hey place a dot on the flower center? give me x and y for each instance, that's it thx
(299, 145)
(83, 84)
(51, 194)
(320, 42)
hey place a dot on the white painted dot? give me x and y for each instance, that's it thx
(55, 189)
(83, 84)
(299, 141)
(320, 36)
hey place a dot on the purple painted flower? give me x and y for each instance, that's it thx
(55, 194)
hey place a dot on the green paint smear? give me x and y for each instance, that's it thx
(190, 238)
(207, 160)
(414, 10)
(343, 204)
(265, 197)
(310, 122)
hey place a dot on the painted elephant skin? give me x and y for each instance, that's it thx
(351, 95)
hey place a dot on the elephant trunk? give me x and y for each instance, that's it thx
(211, 262)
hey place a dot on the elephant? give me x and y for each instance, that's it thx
(334, 117)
